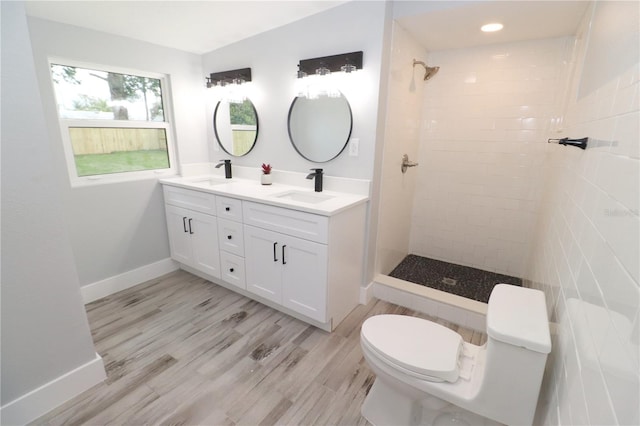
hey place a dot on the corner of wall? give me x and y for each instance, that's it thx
(40, 401)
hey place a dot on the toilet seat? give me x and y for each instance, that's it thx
(416, 346)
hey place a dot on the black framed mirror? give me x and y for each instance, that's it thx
(236, 126)
(319, 128)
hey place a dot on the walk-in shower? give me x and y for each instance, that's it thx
(479, 133)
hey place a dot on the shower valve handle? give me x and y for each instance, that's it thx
(406, 163)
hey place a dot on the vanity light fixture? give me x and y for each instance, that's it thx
(223, 78)
(346, 62)
(492, 27)
(314, 75)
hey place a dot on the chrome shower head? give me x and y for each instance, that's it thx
(428, 71)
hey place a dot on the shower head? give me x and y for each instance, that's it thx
(428, 71)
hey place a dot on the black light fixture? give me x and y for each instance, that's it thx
(346, 62)
(223, 78)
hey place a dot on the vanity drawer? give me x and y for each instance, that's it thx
(232, 269)
(229, 208)
(192, 200)
(299, 224)
(230, 236)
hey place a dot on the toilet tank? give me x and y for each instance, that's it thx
(518, 316)
(516, 353)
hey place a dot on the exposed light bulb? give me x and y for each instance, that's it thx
(323, 71)
(348, 68)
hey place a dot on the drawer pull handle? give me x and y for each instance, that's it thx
(275, 259)
(284, 262)
(230, 269)
(228, 237)
(190, 229)
(184, 223)
(227, 208)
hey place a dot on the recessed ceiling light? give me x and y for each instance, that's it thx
(488, 28)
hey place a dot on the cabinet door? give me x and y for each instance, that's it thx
(179, 238)
(203, 230)
(304, 277)
(262, 252)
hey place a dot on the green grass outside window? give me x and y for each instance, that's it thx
(120, 162)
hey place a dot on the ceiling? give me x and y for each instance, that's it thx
(456, 24)
(203, 26)
(191, 26)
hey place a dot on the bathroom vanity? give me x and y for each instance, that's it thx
(293, 249)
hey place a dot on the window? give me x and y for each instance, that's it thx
(114, 124)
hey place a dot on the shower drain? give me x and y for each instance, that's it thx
(449, 281)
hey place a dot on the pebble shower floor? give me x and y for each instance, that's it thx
(460, 280)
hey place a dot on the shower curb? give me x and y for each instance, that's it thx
(459, 310)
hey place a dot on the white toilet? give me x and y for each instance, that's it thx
(427, 375)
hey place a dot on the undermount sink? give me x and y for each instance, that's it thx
(211, 181)
(304, 197)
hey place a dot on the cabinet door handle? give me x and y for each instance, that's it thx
(231, 270)
(190, 229)
(275, 258)
(184, 223)
(227, 208)
(284, 262)
(228, 237)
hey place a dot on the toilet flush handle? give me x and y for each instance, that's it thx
(406, 163)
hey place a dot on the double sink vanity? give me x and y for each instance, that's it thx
(285, 245)
(296, 250)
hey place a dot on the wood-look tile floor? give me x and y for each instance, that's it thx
(181, 350)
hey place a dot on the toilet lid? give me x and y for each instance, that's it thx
(416, 344)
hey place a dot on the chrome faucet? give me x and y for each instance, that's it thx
(317, 175)
(227, 167)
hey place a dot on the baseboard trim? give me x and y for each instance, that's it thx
(100, 289)
(40, 401)
(366, 293)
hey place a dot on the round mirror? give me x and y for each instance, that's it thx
(236, 126)
(319, 128)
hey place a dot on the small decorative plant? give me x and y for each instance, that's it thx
(265, 179)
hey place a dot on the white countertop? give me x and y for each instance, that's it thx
(276, 194)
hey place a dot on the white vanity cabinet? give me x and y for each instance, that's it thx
(287, 270)
(305, 262)
(193, 235)
(308, 263)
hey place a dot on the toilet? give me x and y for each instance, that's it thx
(427, 375)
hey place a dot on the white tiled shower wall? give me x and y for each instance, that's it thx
(587, 251)
(486, 118)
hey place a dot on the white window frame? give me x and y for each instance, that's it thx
(65, 124)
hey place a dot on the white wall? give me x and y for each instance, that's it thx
(402, 131)
(486, 119)
(587, 253)
(116, 228)
(45, 332)
(273, 57)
